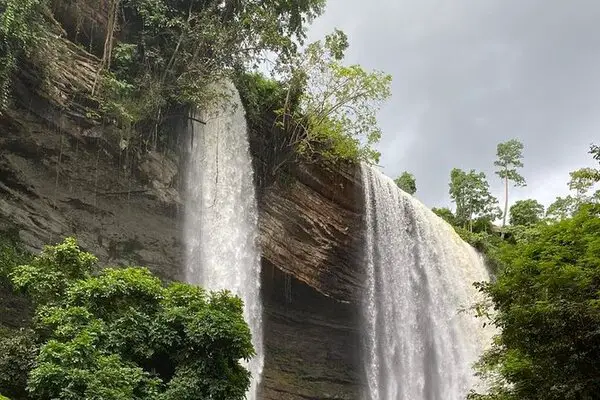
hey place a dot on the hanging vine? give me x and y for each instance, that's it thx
(108, 42)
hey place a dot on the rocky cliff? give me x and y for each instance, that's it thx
(310, 235)
(57, 179)
(62, 174)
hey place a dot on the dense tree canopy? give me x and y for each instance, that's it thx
(337, 113)
(546, 303)
(170, 50)
(20, 25)
(160, 56)
(581, 185)
(470, 192)
(121, 334)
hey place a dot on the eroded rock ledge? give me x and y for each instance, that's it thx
(311, 228)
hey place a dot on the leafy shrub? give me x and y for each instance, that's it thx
(123, 334)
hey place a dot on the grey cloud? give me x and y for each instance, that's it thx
(471, 73)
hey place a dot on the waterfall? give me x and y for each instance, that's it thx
(221, 217)
(419, 345)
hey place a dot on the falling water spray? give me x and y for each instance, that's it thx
(221, 218)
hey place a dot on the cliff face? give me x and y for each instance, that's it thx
(62, 174)
(58, 179)
(310, 236)
(60, 182)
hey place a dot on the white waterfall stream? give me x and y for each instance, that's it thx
(419, 275)
(221, 218)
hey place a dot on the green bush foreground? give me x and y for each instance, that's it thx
(117, 334)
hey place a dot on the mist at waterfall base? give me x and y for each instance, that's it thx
(221, 217)
(419, 345)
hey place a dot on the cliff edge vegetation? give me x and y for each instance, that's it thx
(142, 65)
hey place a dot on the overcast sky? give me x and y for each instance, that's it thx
(471, 73)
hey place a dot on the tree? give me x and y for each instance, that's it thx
(407, 182)
(561, 208)
(121, 334)
(18, 351)
(546, 304)
(172, 50)
(526, 212)
(470, 192)
(20, 31)
(509, 155)
(336, 117)
(581, 182)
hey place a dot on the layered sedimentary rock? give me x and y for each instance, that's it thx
(59, 182)
(310, 234)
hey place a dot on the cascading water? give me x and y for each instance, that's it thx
(419, 275)
(221, 219)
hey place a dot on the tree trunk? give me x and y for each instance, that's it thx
(505, 201)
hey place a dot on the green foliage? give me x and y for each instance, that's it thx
(526, 212)
(121, 334)
(561, 208)
(523, 233)
(406, 181)
(470, 192)
(261, 96)
(595, 152)
(18, 350)
(48, 275)
(172, 50)
(582, 181)
(509, 155)
(337, 117)
(547, 305)
(21, 22)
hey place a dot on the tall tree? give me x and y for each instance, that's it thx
(470, 192)
(407, 182)
(509, 155)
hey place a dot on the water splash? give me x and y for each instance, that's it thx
(221, 218)
(419, 275)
